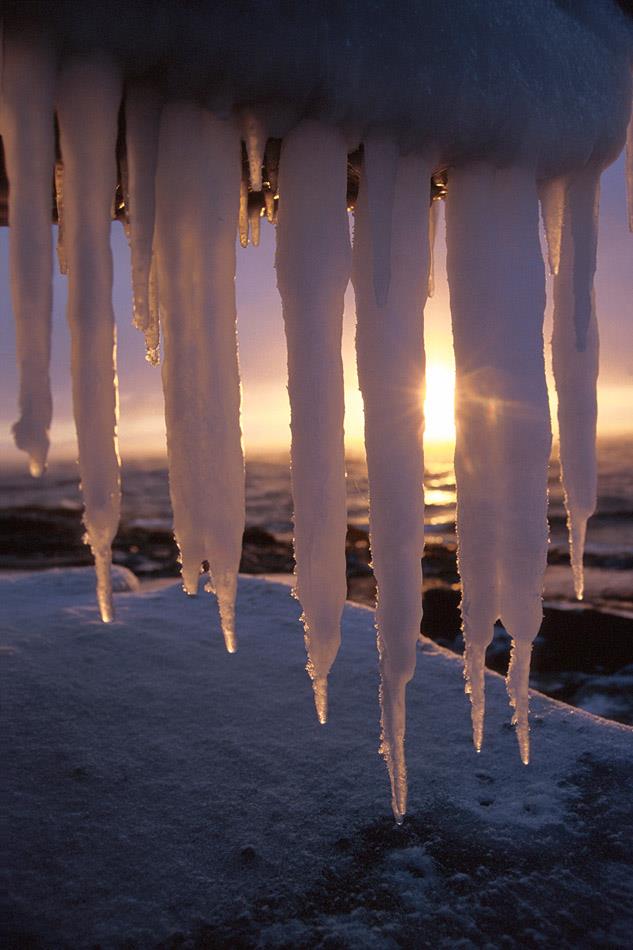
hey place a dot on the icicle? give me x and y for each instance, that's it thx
(269, 204)
(629, 172)
(390, 352)
(142, 118)
(254, 222)
(313, 265)
(434, 214)
(243, 214)
(196, 221)
(497, 289)
(552, 196)
(254, 135)
(380, 162)
(87, 109)
(576, 368)
(59, 204)
(152, 331)
(28, 91)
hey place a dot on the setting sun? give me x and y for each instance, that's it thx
(439, 404)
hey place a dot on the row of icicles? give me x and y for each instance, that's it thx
(185, 202)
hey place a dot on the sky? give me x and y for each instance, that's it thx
(265, 410)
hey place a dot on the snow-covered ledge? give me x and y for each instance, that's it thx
(155, 785)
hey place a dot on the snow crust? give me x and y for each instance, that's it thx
(155, 784)
(465, 78)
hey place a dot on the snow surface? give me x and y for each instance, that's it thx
(155, 785)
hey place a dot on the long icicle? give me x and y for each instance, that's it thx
(497, 288)
(380, 163)
(313, 266)
(28, 104)
(576, 367)
(142, 119)
(525, 430)
(196, 222)
(87, 108)
(390, 354)
(629, 171)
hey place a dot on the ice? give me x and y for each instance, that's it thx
(313, 266)
(88, 101)
(28, 102)
(243, 220)
(59, 206)
(497, 290)
(254, 135)
(390, 353)
(254, 221)
(576, 367)
(142, 118)
(380, 162)
(196, 221)
(552, 196)
(434, 214)
(629, 172)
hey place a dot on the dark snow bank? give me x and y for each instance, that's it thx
(159, 791)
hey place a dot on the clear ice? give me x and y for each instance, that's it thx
(390, 355)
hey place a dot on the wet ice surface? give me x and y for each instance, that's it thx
(157, 785)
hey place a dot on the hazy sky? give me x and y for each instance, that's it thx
(262, 347)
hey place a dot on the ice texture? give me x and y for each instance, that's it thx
(28, 103)
(59, 207)
(552, 197)
(196, 221)
(390, 354)
(629, 172)
(142, 118)
(254, 135)
(88, 101)
(313, 268)
(497, 292)
(576, 366)
(380, 164)
(434, 213)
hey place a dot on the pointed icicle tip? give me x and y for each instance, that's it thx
(227, 622)
(552, 198)
(517, 684)
(319, 685)
(104, 586)
(474, 674)
(577, 537)
(36, 468)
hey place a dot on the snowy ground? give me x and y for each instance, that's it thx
(160, 791)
